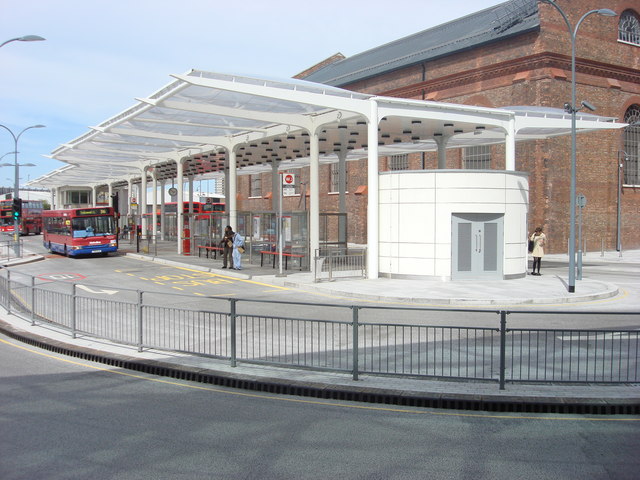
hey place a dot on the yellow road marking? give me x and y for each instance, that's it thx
(318, 402)
(198, 278)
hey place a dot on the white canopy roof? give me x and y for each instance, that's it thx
(200, 116)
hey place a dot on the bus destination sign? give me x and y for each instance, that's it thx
(83, 212)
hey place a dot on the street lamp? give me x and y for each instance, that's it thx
(16, 185)
(25, 38)
(572, 108)
(5, 164)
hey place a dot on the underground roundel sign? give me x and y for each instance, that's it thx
(288, 179)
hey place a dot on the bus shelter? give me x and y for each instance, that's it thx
(206, 123)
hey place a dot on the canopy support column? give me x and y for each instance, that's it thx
(342, 194)
(179, 200)
(232, 201)
(314, 197)
(129, 197)
(510, 146)
(162, 215)
(154, 203)
(372, 193)
(110, 194)
(276, 186)
(442, 141)
(143, 201)
(94, 196)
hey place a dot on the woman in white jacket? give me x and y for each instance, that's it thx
(539, 239)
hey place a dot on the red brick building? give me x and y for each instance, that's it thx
(516, 53)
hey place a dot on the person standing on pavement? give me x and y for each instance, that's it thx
(227, 247)
(539, 239)
(238, 243)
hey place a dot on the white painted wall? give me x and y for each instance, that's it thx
(415, 217)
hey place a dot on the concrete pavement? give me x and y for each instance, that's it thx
(549, 288)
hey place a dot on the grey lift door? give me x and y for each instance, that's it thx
(477, 245)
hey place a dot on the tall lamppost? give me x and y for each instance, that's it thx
(16, 185)
(572, 108)
(8, 153)
(25, 38)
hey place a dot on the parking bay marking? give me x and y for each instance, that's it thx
(99, 290)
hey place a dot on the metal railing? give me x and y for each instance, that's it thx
(9, 249)
(334, 262)
(353, 339)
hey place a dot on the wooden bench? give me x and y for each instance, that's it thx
(208, 249)
(275, 254)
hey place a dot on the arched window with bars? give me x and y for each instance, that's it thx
(631, 146)
(629, 27)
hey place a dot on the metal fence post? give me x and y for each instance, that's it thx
(33, 301)
(355, 326)
(8, 291)
(503, 346)
(139, 315)
(330, 258)
(232, 319)
(73, 310)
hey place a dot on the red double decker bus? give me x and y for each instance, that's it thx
(198, 207)
(30, 220)
(80, 231)
(201, 209)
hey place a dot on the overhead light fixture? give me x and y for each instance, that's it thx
(588, 105)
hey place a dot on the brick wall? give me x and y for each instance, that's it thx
(534, 69)
(531, 69)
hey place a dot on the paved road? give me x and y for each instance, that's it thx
(62, 418)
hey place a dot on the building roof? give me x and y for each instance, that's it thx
(201, 116)
(490, 25)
